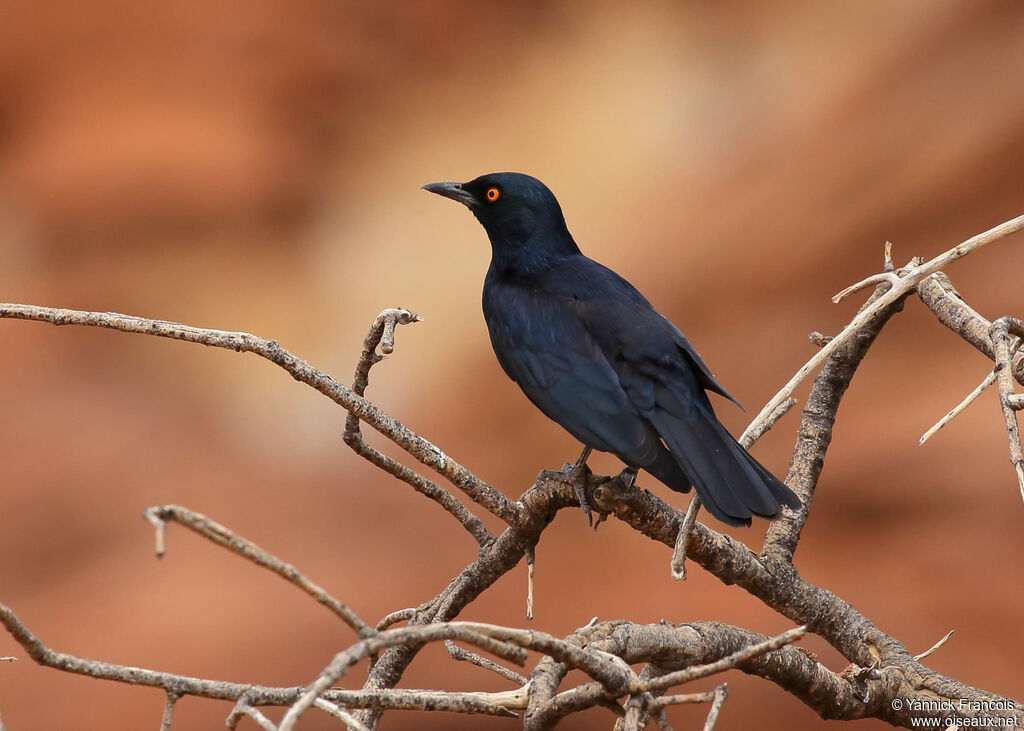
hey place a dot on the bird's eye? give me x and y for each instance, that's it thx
(493, 194)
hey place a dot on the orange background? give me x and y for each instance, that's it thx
(256, 166)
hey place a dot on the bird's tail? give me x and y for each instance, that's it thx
(730, 482)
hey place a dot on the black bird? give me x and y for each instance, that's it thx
(593, 354)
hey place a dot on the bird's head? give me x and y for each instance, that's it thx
(513, 208)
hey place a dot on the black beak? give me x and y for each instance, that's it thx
(455, 191)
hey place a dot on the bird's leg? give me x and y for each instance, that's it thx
(578, 476)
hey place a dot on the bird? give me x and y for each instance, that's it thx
(589, 350)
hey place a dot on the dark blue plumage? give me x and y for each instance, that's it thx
(593, 354)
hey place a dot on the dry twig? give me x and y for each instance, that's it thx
(158, 515)
(936, 646)
(955, 411)
(382, 333)
(458, 653)
(721, 693)
(902, 286)
(477, 490)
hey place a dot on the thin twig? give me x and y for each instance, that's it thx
(900, 287)
(730, 661)
(721, 693)
(677, 565)
(183, 685)
(874, 279)
(475, 488)
(949, 307)
(340, 713)
(169, 700)
(400, 615)
(817, 421)
(675, 700)
(382, 333)
(459, 653)
(756, 430)
(242, 708)
(989, 379)
(935, 647)
(474, 633)
(531, 566)
(222, 536)
(634, 709)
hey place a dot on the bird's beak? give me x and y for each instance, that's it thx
(455, 191)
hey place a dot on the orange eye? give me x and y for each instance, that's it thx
(492, 194)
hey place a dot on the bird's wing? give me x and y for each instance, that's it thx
(622, 319)
(543, 347)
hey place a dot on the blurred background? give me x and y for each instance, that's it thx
(256, 166)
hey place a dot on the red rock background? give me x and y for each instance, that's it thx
(256, 166)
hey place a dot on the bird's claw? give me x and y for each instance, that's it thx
(581, 495)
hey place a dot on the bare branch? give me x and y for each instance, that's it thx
(675, 700)
(677, 566)
(476, 633)
(758, 428)
(721, 693)
(382, 332)
(818, 418)
(531, 568)
(873, 279)
(458, 653)
(242, 708)
(340, 713)
(949, 307)
(480, 492)
(935, 647)
(955, 411)
(217, 533)
(726, 663)
(905, 284)
(256, 695)
(168, 718)
(400, 615)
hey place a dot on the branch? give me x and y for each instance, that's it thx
(955, 411)
(198, 523)
(949, 307)
(818, 419)
(458, 653)
(726, 663)
(610, 675)
(382, 333)
(900, 287)
(477, 490)
(256, 695)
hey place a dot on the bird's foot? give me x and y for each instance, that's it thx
(579, 476)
